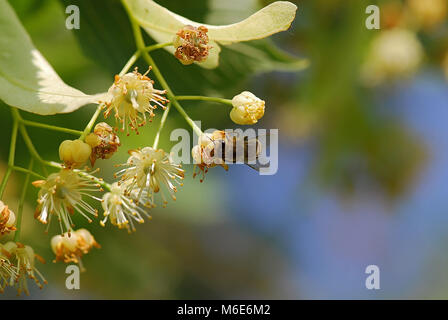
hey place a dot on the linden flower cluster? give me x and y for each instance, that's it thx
(149, 176)
(17, 261)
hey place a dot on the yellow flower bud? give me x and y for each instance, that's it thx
(74, 153)
(7, 219)
(93, 140)
(247, 108)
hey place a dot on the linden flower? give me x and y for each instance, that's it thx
(7, 219)
(131, 96)
(394, 53)
(147, 171)
(23, 259)
(247, 108)
(61, 194)
(204, 152)
(7, 271)
(191, 44)
(70, 248)
(104, 142)
(121, 210)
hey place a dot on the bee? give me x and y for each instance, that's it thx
(238, 148)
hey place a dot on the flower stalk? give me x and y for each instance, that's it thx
(142, 48)
(202, 98)
(22, 202)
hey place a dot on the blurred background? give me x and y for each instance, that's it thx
(363, 150)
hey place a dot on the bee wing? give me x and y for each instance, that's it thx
(255, 166)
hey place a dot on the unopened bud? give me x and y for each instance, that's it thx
(247, 108)
(74, 153)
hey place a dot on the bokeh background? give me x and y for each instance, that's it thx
(362, 179)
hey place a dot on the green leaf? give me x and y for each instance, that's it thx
(264, 56)
(27, 81)
(105, 35)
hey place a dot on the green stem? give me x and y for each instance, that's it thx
(20, 169)
(12, 152)
(202, 98)
(5, 181)
(12, 146)
(22, 202)
(187, 118)
(25, 136)
(91, 122)
(162, 124)
(30, 144)
(50, 127)
(141, 47)
(130, 63)
(169, 92)
(157, 46)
